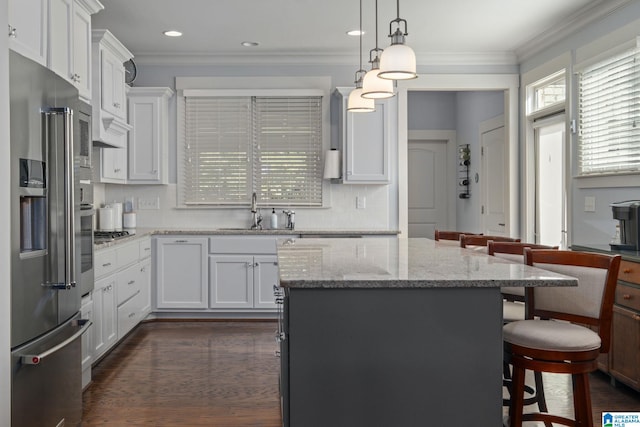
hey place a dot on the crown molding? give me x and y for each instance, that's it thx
(307, 58)
(572, 24)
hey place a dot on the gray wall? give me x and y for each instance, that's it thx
(598, 226)
(462, 112)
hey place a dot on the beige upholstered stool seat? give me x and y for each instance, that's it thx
(551, 335)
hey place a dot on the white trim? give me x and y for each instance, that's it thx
(258, 83)
(452, 178)
(251, 92)
(508, 83)
(484, 127)
(558, 32)
(608, 181)
(527, 203)
(604, 51)
(593, 51)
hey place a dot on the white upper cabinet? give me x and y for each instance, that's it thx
(149, 139)
(108, 55)
(365, 140)
(28, 28)
(70, 41)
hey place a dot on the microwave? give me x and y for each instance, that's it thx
(82, 135)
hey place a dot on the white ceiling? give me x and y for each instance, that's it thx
(316, 28)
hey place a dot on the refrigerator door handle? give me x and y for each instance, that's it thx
(69, 202)
(35, 359)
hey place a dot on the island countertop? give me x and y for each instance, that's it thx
(401, 263)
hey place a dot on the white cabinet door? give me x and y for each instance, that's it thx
(81, 52)
(265, 276)
(60, 55)
(104, 308)
(113, 165)
(365, 139)
(86, 312)
(144, 278)
(112, 82)
(181, 272)
(149, 139)
(231, 281)
(28, 21)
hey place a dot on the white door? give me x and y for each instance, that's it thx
(427, 170)
(550, 144)
(494, 180)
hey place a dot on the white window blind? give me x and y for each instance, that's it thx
(609, 115)
(288, 147)
(234, 146)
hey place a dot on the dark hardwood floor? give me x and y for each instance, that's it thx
(188, 374)
(225, 374)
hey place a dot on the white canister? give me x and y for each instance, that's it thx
(129, 220)
(105, 219)
(117, 215)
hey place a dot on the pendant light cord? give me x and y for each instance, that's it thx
(376, 25)
(398, 7)
(361, 35)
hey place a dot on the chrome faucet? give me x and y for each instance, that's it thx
(256, 216)
(291, 219)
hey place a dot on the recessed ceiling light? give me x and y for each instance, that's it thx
(172, 33)
(249, 44)
(355, 32)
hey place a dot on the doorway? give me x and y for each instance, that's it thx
(427, 169)
(494, 177)
(550, 198)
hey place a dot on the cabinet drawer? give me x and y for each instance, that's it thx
(629, 272)
(628, 296)
(145, 248)
(105, 263)
(128, 284)
(127, 254)
(243, 245)
(128, 315)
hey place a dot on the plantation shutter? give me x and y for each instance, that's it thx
(609, 115)
(287, 167)
(217, 150)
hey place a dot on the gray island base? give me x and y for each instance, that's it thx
(394, 332)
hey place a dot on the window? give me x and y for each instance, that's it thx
(234, 146)
(609, 107)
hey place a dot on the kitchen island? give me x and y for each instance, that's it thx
(394, 332)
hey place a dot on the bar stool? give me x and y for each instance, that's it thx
(479, 242)
(513, 309)
(449, 237)
(556, 341)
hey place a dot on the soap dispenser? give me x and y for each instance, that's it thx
(274, 219)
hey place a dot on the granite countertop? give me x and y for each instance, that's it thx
(142, 232)
(401, 263)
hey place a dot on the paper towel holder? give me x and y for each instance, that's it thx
(332, 165)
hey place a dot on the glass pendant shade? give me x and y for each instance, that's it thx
(357, 104)
(373, 87)
(398, 62)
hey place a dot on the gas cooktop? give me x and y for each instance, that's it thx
(100, 236)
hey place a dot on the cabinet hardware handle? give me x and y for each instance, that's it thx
(116, 104)
(275, 263)
(501, 224)
(257, 264)
(131, 282)
(13, 32)
(280, 336)
(131, 315)
(626, 296)
(116, 170)
(143, 269)
(249, 264)
(147, 249)
(181, 241)
(106, 265)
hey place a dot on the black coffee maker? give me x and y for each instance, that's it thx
(628, 213)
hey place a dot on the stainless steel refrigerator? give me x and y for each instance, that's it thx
(45, 247)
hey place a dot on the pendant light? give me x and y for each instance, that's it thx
(356, 103)
(398, 61)
(373, 87)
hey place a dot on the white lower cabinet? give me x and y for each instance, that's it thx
(181, 272)
(86, 312)
(265, 277)
(104, 309)
(231, 281)
(121, 296)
